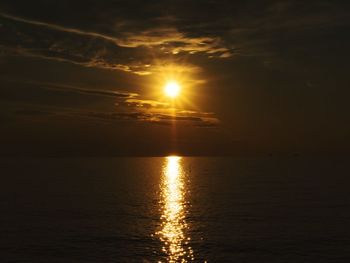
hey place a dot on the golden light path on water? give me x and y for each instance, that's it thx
(173, 229)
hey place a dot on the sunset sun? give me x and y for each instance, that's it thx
(172, 89)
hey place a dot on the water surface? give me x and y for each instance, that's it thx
(174, 209)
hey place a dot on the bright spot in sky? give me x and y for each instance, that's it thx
(172, 89)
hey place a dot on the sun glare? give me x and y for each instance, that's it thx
(174, 229)
(172, 89)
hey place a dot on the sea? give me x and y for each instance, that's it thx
(175, 209)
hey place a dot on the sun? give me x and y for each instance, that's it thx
(172, 89)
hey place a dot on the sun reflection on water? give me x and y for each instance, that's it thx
(174, 226)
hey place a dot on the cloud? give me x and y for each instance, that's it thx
(128, 107)
(178, 118)
(154, 118)
(163, 111)
(146, 103)
(36, 112)
(158, 36)
(120, 95)
(97, 92)
(130, 35)
(126, 51)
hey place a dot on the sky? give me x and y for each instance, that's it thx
(87, 77)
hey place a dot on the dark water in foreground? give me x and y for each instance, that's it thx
(173, 209)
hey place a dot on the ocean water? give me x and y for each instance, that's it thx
(173, 209)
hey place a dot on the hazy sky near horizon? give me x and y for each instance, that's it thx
(86, 77)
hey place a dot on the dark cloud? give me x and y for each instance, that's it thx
(151, 118)
(111, 117)
(146, 103)
(100, 92)
(128, 51)
(67, 88)
(127, 106)
(108, 93)
(117, 35)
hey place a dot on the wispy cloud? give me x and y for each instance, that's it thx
(97, 92)
(127, 107)
(126, 51)
(69, 88)
(169, 38)
(35, 112)
(153, 118)
(129, 41)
